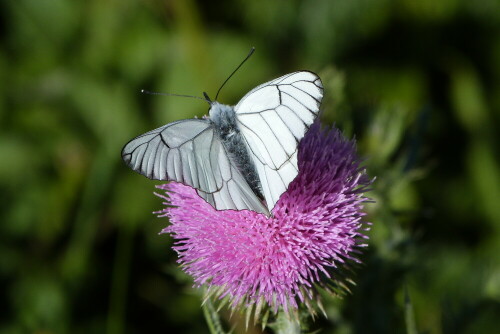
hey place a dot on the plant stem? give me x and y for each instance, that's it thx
(285, 324)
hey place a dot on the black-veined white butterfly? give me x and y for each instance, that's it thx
(241, 157)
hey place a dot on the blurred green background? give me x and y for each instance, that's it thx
(416, 82)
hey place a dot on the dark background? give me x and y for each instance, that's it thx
(416, 82)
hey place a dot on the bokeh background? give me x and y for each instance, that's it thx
(416, 82)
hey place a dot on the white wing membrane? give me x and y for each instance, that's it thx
(273, 118)
(190, 152)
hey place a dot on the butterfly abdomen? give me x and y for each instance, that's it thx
(224, 119)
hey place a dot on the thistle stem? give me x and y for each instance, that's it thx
(285, 324)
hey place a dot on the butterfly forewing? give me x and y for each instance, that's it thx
(273, 118)
(190, 152)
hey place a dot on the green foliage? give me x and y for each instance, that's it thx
(417, 83)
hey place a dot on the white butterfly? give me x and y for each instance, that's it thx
(241, 157)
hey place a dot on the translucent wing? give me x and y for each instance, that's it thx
(190, 152)
(273, 118)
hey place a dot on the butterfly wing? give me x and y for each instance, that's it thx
(190, 152)
(273, 118)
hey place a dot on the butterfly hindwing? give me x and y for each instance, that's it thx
(190, 152)
(273, 118)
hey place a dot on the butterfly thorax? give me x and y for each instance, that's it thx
(224, 119)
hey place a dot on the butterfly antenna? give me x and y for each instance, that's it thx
(207, 98)
(237, 68)
(179, 95)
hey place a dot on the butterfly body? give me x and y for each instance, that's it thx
(241, 157)
(223, 118)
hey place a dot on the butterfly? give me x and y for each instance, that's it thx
(239, 157)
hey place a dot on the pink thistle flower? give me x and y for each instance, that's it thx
(280, 260)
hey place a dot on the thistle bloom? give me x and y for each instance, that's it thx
(314, 229)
